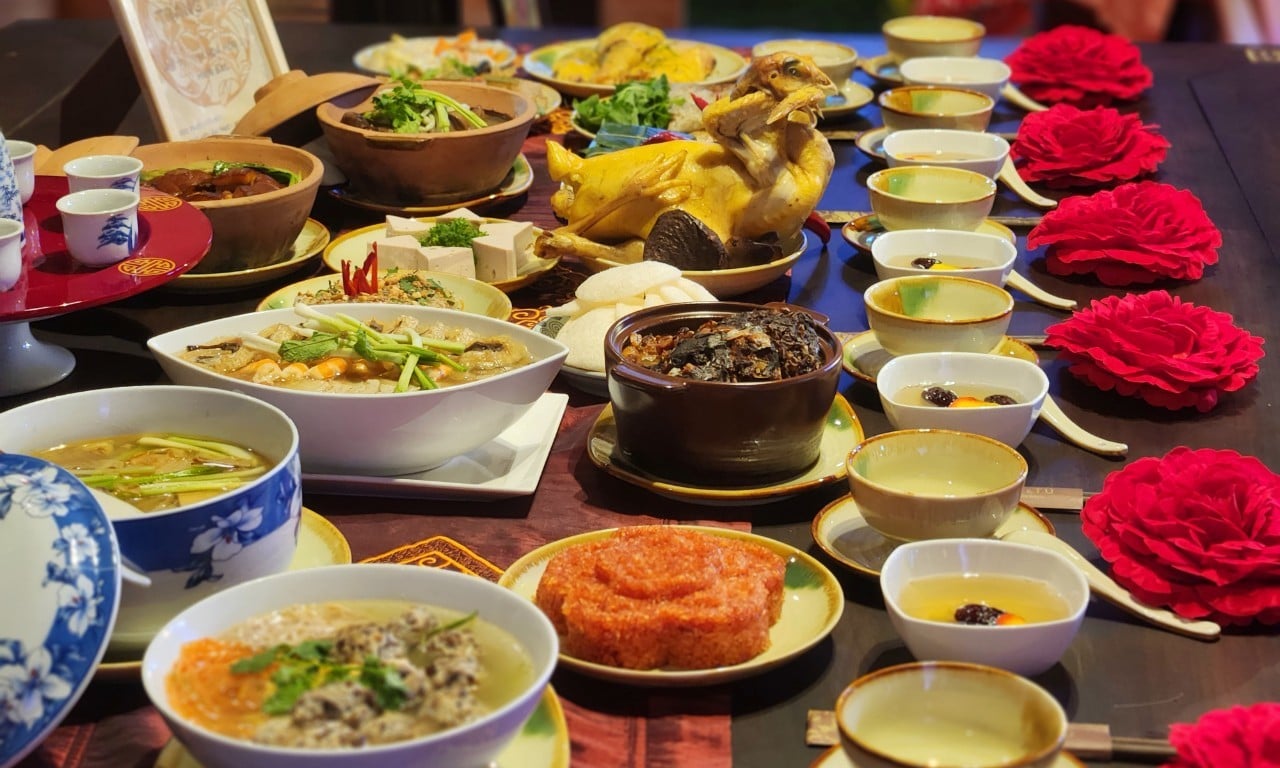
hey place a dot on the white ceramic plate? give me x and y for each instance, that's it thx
(842, 532)
(812, 604)
(425, 53)
(862, 231)
(835, 757)
(540, 64)
(509, 465)
(591, 382)
(353, 246)
(60, 566)
(543, 742)
(852, 97)
(311, 241)
(864, 357)
(473, 296)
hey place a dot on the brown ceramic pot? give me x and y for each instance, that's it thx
(716, 433)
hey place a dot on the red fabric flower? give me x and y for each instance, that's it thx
(1239, 737)
(1197, 531)
(1171, 353)
(1080, 66)
(1068, 147)
(1136, 233)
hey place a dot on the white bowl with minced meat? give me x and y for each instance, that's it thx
(401, 666)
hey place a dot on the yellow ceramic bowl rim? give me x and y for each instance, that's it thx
(979, 29)
(988, 103)
(929, 170)
(958, 666)
(981, 285)
(956, 435)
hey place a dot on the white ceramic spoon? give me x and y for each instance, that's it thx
(1077, 435)
(1019, 283)
(1015, 96)
(1013, 180)
(1106, 588)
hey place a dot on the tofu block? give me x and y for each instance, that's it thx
(502, 249)
(455, 261)
(402, 251)
(460, 213)
(399, 225)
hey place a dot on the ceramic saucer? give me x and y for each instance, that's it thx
(871, 143)
(515, 184)
(883, 69)
(543, 742)
(862, 231)
(812, 603)
(841, 432)
(591, 382)
(319, 543)
(852, 97)
(835, 757)
(310, 243)
(864, 357)
(842, 532)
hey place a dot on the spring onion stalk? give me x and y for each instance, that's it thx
(462, 109)
(260, 343)
(410, 365)
(85, 475)
(169, 442)
(160, 489)
(200, 474)
(213, 445)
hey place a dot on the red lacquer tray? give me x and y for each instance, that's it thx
(173, 237)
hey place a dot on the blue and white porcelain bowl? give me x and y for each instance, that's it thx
(196, 550)
(60, 566)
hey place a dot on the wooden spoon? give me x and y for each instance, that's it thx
(96, 145)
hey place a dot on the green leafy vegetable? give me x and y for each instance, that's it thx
(456, 233)
(409, 108)
(302, 350)
(639, 102)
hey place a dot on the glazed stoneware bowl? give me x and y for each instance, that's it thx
(937, 313)
(930, 197)
(975, 255)
(471, 744)
(933, 106)
(1024, 649)
(902, 380)
(935, 483)
(248, 232)
(982, 153)
(908, 37)
(431, 168)
(192, 551)
(711, 432)
(971, 72)
(387, 433)
(930, 714)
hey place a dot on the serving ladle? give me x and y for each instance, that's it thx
(1105, 587)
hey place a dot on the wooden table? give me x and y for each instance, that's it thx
(1137, 679)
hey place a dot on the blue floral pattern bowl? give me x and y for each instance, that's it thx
(195, 550)
(60, 565)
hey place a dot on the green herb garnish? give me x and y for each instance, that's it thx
(302, 350)
(409, 108)
(639, 102)
(456, 233)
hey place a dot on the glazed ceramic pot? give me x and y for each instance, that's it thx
(710, 432)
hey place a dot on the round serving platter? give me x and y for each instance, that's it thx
(540, 64)
(307, 247)
(474, 296)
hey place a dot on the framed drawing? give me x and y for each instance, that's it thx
(198, 62)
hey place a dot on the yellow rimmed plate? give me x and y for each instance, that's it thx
(852, 97)
(811, 608)
(353, 246)
(840, 434)
(310, 242)
(864, 357)
(426, 53)
(862, 231)
(515, 184)
(543, 742)
(871, 143)
(319, 543)
(474, 296)
(842, 532)
(540, 65)
(836, 757)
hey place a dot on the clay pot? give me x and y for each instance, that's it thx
(716, 433)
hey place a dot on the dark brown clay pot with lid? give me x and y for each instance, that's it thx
(714, 433)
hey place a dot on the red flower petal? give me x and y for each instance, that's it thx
(1237, 737)
(1068, 147)
(1079, 66)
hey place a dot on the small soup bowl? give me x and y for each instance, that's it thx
(197, 549)
(472, 744)
(918, 581)
(974, 73)
(932, 714)
(937, 313)
(930, 197)
(908, 37)
(935, 483)
(975, 255)
(835, 60)
(982, 153)
(903, 384)
(934, 106)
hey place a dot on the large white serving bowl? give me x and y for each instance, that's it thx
(471, 745)
(975, 255)
(381, 434)
(976, 151)
(1022, 380)
(1025, 649)
(196, 550)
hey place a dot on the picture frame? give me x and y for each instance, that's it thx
(199, 62)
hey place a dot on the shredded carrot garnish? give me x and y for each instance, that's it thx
(202, 688)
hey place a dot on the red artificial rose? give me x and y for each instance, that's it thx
(1171, 353)
(1136, 233)
(1197, 531)
(1239, 737)
(1080, 66)
(1068, 147)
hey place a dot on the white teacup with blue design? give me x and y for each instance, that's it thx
(10, 253)
(23, 156)
(100, 225)
(10, 194)
(103, 172)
